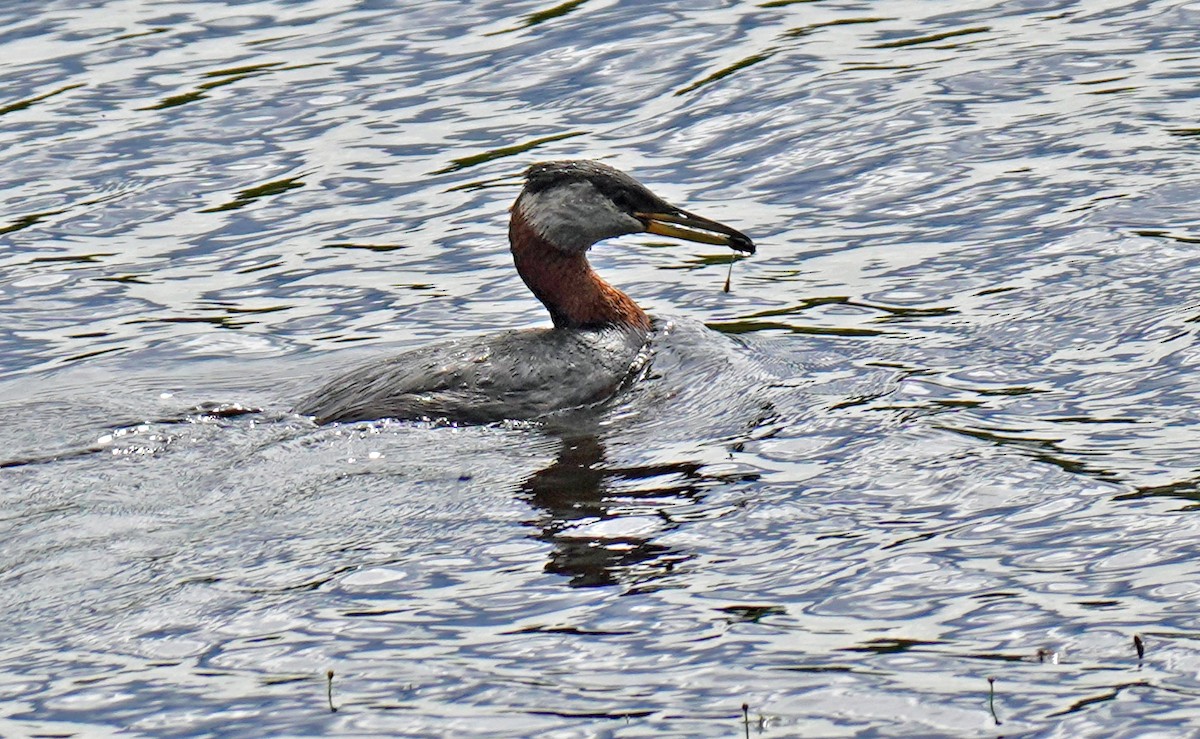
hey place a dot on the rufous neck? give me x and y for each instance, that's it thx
(567, 285)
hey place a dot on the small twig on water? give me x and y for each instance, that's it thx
(992, 700)
(1140, 647)
(329, 690)
(746, 718)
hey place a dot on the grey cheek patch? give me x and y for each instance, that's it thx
(574, 216)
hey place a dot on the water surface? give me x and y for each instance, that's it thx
(943, 429)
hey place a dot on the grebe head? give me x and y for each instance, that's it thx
(573, 204)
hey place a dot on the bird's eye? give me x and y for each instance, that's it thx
(622, 201)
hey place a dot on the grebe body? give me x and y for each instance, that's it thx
(599, 334)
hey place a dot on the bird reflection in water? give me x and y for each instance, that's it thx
(601, 520)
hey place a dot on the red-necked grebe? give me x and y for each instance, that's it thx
(598, 333)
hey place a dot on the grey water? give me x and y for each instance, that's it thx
(926, 470)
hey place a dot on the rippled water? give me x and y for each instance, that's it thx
(945, 428)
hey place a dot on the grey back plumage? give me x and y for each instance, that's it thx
(509, 375)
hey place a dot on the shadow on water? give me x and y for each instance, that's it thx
(580, 513)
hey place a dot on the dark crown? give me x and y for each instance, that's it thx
(628, 194)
